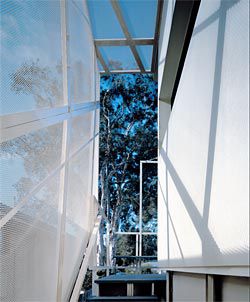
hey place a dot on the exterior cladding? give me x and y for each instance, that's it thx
(49, 147)
(204, 147)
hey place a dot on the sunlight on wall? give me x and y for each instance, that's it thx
(204, 175)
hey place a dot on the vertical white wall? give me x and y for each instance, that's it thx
(49, 147)
(188, 287)
(234, 289)
(204, 156)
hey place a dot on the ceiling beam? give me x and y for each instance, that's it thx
(118, 13)
(124, 42)
(125, 71)
(154, 63)
(101, 60)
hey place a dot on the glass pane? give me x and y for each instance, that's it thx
(129, 216)
(118, 57)
(105, 24)
(125, 245)
(149, 245)
(149, 198)
(100, 66)
(145, 53)
(81, 56)
(140, 17)
(31, 73)
(27, 160)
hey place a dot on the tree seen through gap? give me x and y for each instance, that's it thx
(128, 134)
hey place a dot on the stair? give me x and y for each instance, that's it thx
(121, 298)
(131, 287)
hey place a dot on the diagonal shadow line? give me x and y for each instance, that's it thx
(205, 235)
(175, 233)
(214, 109)
(226, 4)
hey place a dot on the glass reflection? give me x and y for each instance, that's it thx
(118, 57)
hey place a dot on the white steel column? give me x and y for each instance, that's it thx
(65, 157)
(136, 245)
(140, 206)
(140, 211)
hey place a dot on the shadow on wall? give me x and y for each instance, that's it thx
(209, 246)
(210, 249)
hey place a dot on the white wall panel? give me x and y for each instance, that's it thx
(163, 220)
(235, 289)
(189, 287)
(203, 168)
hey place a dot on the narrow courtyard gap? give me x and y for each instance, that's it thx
(128, 135)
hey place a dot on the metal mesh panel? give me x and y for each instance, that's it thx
(97, 84)
(81, 130)
(26, 161)
(28, 246)
(81, 51)
(78, 220)
(34, 183)
(31, 74)
(96, 166)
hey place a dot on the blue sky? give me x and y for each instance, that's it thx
(140, 17)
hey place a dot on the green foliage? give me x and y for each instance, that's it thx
(149, 245)
(87, 284)
(128, 134)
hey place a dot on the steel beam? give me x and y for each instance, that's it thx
(184, 16)
(124, 42)
(154, 63)
(122, 22)
(140, 211)
(101, 60)
(136, 233)
(125, 71)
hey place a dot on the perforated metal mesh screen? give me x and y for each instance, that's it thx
(82, 67)
(31, 57)
(28, 253)
(48, 149)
